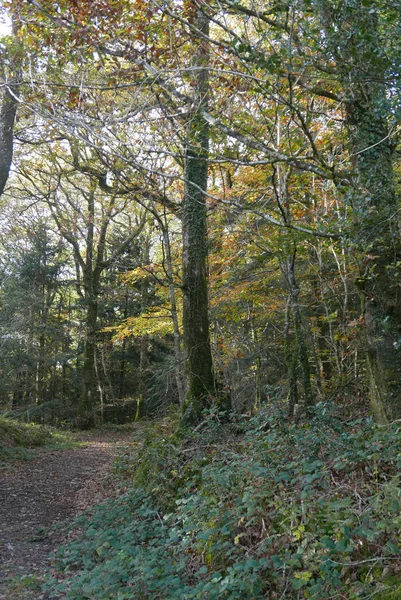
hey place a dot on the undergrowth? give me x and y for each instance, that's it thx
(17, 440)
(262, 508)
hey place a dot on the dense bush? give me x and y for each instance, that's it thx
(261, 509)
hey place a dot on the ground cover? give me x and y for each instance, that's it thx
(247, 510)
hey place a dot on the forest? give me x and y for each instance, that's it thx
(200, 247)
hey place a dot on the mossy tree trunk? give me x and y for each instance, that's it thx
(379, 283)
(201, 381)
(91, 280)
(290, 348)
(353, 37)
(86, 400)
(301, 344)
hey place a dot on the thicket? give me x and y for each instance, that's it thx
(254, 508)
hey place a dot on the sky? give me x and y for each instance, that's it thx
(5, 25)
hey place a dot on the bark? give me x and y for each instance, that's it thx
(40, 369)
(143, 382)
(225, 373)
(357, 49)
(377, 283)
(9, 106)
(121, 379)
(291, 361)
(109, 392)
(201, 381)
(86, 416)
(257, 367)
(179, 375)
(302, 348)
(143, 371)
(65, 349)
(91, 265)
(91, 279)
(48, 296)
(8, 113)
(300, 353)
(100, 386)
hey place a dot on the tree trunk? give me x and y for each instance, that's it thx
(302, 348)
(7, 118)
(143, 371)
(257, 366)
(86, 417)
(379, 238)
(40, 369)
(121, 376)
(179, 374)
(9, 105)
(201, 381)
(291, 361)
(100, 386)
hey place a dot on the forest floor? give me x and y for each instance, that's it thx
(44, 492)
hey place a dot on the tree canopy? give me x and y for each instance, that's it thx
(221, 180)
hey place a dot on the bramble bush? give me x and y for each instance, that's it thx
(262, 508)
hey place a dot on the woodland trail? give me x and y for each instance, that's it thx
(43, 492)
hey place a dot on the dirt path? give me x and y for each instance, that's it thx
(47, 490)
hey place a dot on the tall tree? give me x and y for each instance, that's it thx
(354, 38)
(202, 385)
(31, 330)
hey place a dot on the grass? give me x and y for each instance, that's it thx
(18, 441)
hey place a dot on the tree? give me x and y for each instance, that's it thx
(354, 41)
(85, 210)
(11, 74)
(202, 386)
(32, 330)
(208, 100)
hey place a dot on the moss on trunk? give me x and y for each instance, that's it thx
(201, 382)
